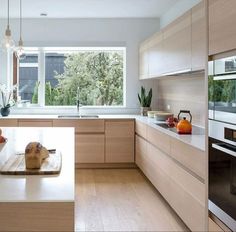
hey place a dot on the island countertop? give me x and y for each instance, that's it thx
(39, 188)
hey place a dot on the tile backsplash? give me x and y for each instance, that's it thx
(184, 92)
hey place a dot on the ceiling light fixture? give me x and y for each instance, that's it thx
(7, 42)
(19, 53)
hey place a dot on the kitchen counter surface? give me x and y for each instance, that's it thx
(197, 141)
(41, 188)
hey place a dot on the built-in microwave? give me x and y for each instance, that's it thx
(222, 89)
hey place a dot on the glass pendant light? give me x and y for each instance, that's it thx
(7, 43)
(19, 53)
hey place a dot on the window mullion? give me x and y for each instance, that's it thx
(41, 78)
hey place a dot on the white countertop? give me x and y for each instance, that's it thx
(42, 188)
(197, 141)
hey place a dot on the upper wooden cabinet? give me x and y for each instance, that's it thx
(198, 37)
(155, 55)
(222, 30)
(143, 59)
(177, 45)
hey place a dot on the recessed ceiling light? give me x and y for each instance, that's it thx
(44, 14)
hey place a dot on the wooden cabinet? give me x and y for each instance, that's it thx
(35, 123)
(8, 122)
(177, 45)
(199, 48)
(89, 139)
(192, 158)
(141, 129)
(143, 60)
(90, 148)
(222, 21)
(155, 56)
(119, 142)
(171, 166)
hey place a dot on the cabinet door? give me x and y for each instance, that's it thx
(8, 122)
(141, 128)
(119, 141)
(185, 193)
(177, 45)
(89, 148)
(155, 56)
(34, 123)
(143, 60)
(198, 37)
(222, 30)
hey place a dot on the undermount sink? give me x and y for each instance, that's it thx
(195, 129)
(77, 116)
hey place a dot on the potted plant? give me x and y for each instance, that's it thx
(145, 101)
(7, 99)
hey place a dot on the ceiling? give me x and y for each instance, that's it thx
(88, 8)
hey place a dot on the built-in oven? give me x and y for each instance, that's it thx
(222, 172)
(222, 89)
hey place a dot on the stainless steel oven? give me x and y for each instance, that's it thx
(222, 89)
(222, 172)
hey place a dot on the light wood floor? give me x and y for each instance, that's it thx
(121, 200)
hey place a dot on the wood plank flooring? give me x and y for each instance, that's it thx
(121, 200)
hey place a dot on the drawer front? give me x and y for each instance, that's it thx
(184, 193)
(192, 158)
(81, 125)
(158, 139)
(140, 150)
(90, 148)
(141, 129)
(8, 122)
(35, 123)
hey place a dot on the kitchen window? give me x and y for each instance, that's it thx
(58, 76)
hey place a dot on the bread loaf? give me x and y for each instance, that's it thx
(35, 153)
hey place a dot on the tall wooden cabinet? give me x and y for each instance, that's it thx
(222, 21)
(177, 44)
(199, 37)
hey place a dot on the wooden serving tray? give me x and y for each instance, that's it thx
(15, 165)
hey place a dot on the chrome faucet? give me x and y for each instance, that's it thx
(78, 101)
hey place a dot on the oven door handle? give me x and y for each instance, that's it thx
(218, 146)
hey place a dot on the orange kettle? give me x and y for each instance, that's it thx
(184, 126)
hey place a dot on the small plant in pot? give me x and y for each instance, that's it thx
(145, 101)
(6, 99)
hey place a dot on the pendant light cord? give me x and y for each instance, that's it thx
(8, 13)
(20, 19)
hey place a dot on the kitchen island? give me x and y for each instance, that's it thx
(38, 202)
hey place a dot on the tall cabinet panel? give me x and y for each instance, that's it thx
(155, 55)
(222, 30)
(198, 36)
(177, 45)
(143, 60)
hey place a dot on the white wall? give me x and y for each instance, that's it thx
(92, 32)
(179, 8)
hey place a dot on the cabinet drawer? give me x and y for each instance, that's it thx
(89, 148)
(159, 139)
(192, 158)
(35, 123)
(141, 129)
(81, 125)
(140, 150)
(184, 193)
(8, 122)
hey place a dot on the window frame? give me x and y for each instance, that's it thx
(41, 51)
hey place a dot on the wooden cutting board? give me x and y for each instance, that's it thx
(16, 165)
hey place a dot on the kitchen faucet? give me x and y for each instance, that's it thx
(78, 101)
